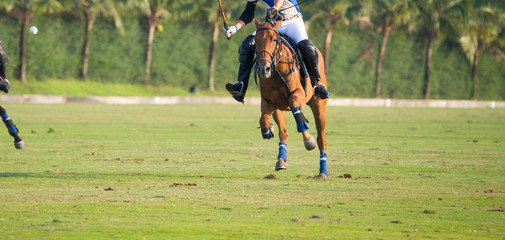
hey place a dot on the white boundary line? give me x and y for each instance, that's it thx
(342, 102)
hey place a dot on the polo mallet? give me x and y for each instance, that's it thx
(224, 17)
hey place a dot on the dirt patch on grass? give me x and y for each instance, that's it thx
(183, 184)
(271, 176)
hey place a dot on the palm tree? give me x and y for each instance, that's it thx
(331, 12)
(209, 10)
(155, 11)
(438, 16)
(388, 14)
(24, 10)
(481, 33)
(91, 9)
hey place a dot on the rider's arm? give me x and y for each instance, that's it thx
(247, 15)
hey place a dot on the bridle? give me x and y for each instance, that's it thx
(277, 48)
(276, 56)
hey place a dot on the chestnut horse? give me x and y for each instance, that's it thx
(281, 90)
(5, 87)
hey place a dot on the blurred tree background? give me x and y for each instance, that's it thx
(409, 49)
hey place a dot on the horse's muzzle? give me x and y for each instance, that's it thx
(265, 69)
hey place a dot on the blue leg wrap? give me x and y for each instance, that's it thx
(283, 151)
(322, 163)
(301, 121)
(13, 131)
(267, 134)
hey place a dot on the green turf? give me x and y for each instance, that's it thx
(93, 171)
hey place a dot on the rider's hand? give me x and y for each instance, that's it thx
(230, 31)
(272, 13)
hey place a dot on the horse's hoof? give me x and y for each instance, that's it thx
(311, 144)
(322, 176)
(19, 145)
(280, 165)
(270, 132)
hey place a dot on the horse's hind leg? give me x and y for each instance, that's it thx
(319, 110)
(13, 131)
(279, 117)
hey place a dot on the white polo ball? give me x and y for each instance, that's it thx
(34, 30)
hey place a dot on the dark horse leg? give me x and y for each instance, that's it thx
(13, 131)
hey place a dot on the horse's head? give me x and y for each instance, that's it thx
(267, 46)
(4, 83)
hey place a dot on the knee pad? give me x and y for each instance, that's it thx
(248, 46)
(247, 49)
(308, 50)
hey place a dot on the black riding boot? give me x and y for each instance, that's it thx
(311, 59)
(246, 59)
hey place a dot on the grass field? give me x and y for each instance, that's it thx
(94, 171)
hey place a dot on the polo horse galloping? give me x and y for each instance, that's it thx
(284, 87)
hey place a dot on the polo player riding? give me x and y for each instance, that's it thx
(292, 25)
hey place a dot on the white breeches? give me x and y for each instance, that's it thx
(294, 29)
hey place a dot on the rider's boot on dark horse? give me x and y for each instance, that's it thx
(246, 59)
(311, 59)
(5, 87)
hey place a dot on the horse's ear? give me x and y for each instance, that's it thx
(277, 24)
(257, 23)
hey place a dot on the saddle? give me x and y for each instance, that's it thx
(297, 55)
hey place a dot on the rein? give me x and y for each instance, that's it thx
(274, 60)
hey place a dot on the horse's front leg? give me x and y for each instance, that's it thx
(319, 110)
(296, 102)
(266, 128)
(13, 131)
(279, 117)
